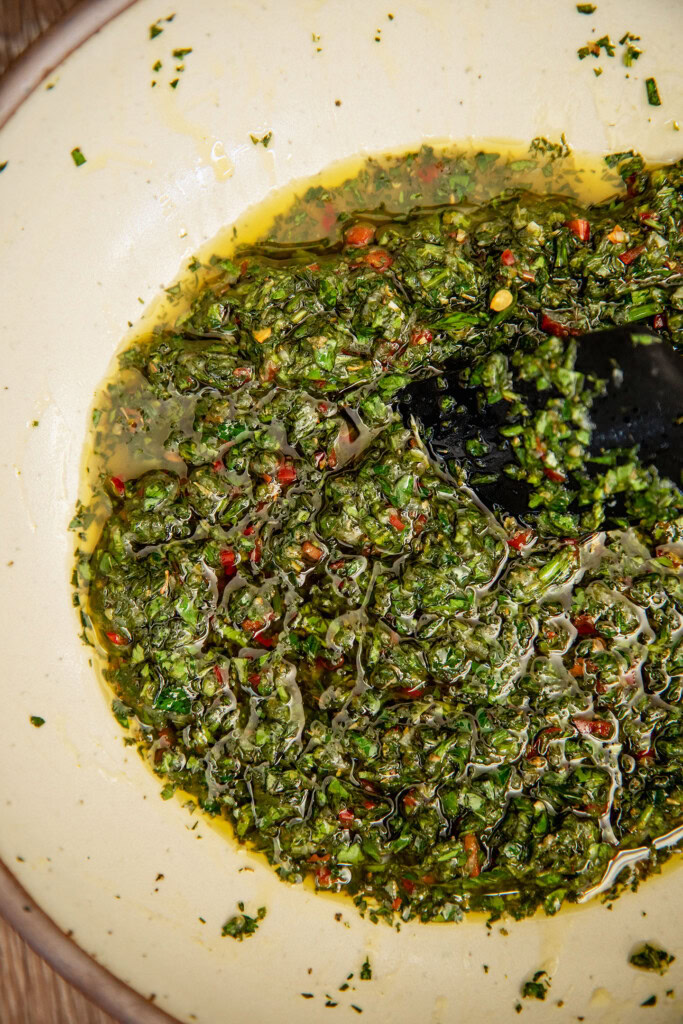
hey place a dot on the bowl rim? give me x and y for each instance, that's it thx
(17, 907)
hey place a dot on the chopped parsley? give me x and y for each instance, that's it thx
(77, 156)
(652, 93)
(538, 987)
(37, 721)
(264, 140)
(651, 958)
(180, 54)
(586, 8)
(366, 971)
(241, 926)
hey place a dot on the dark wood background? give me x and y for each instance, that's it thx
(30, 991)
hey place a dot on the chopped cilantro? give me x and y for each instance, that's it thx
(37, 721)
(157, 66)
(366, 970)
(174, 83)
(77, 156)
(155, 30)
(181, 53)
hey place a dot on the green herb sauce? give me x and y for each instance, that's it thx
(317, 631)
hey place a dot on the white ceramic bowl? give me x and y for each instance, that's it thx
(82, 827)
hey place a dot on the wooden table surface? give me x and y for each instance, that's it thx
(30, 991)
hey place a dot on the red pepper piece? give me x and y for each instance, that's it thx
(346, 816)
(117, 639)
(507, 258)
(631, 255)
(359, 234)
(421, 336)
(520, 539)
(397, 522)
(118, 485)
(579, 227)
(584, 625)
(553, 475)
(469, 841)
(593, 726)
(286, 475)
(559, 330)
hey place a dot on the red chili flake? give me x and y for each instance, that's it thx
(266, 641)
(628, 257)
(218, 466)
(580, 227)
(631, 184)
(428, 879)
(313, 266)
(408, 885)
(369, 805)
(378, 259)
(593, 726)
(228, 562)
(397, 522)
(286, 475)
(359, 234)
(396, 905)
(244, 266)
(429, 172)
(252, 625)
(421, 336)
(118, 485)
(584, 625)
(318, 858)
(311, 551)
(323, 407)
(642, 754)
(323, 878)
(243, 372)
(247, 531)
(660, 322)
(469, 841)
(254, 679)
(166, 737)
(553, 475)
(420, 524)
(117, 639)
(413, 691)
(647, 215)
(507, 258)
(346, 816)
(527, 275)
(559, 330)
(409, 800)
(520, 539)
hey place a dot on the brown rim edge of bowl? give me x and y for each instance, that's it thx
(48, 51)
(20, 911)
(76, 966)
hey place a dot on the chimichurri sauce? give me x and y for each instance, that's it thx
(318, 631)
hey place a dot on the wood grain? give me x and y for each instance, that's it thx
(30, 991)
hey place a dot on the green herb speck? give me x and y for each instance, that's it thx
(264, 140)
(3, 165)
(651, 958)
(652, 93)
(157, 66)
(174, 83)
(586, 8)
(182, 52)
(366, 970)
(77, 156)
(37, 721)
(538, 987)
(155, 30)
